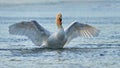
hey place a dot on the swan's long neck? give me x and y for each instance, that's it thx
(59, 21)
(60, 33)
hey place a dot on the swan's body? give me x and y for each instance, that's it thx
(43, 38)
(58, 40)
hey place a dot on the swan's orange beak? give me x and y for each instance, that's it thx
(59, 19)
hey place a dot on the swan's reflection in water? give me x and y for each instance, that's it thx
(67, 53)
(62, 57)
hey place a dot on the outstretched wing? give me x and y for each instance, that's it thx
(32, 30)
(77, 29)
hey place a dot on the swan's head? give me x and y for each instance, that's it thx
(59, 20)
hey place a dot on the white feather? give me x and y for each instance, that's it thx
(78, 29)
(40, 36)
(32, 30)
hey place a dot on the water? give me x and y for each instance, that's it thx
(102, 51)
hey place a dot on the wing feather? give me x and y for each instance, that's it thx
(32, 30)
(77, 29)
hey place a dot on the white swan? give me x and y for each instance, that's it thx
(43, 38)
